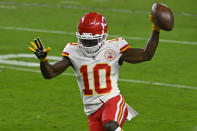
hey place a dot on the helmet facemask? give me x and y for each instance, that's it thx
(90, 44)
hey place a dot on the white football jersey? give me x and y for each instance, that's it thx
(97, 76)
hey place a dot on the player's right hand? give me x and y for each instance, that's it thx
(39, 49)
(154, 27)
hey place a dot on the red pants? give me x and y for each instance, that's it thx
(113, 110)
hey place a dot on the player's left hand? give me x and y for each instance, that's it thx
(154, 27)
(39, 49)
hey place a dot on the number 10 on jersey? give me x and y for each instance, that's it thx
(97, 86)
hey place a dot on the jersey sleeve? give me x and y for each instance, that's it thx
(66, 50)
(123, 45)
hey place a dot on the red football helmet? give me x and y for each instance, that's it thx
(92, 32)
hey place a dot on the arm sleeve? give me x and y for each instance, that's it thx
(66, 50)
(123, 45)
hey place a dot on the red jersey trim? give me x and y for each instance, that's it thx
(73, 43)
(117, 39)
(124, 48)
(65, 54)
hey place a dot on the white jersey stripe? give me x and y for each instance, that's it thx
(118, 109)
(123, 114)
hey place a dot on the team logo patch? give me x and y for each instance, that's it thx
(110, 54)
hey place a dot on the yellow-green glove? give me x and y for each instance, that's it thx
(154, 27)
(39, 49)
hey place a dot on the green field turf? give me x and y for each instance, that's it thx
(163, 91)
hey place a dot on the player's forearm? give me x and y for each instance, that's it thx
(137, 55)
(151, 46)
(46, 70)
(49, 71)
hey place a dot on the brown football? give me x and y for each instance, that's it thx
(162, 16)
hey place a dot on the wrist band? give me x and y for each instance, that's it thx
(42, 60)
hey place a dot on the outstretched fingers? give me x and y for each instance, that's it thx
(40, 44)
(47, 50)
(34, 45)
(37, 43)
(31, 49)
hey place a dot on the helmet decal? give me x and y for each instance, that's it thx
(104, 22)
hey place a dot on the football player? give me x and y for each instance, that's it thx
(96, 62)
